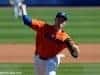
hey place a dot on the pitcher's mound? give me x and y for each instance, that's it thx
(23, 53)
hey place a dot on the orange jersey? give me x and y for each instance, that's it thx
(49, 42)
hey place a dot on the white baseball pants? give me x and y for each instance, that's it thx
(46, 67)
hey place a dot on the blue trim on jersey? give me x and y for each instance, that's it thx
(27, 20)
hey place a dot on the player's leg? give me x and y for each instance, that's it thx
(19, 10)
(52, 66)
(47, 67)
(39, 66)
(16, 11)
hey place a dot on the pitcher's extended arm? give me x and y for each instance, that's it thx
(26, 19)
(72, 47)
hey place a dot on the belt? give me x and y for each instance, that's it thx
(43, 58)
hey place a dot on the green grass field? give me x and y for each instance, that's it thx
(64, 69)
(83, 26)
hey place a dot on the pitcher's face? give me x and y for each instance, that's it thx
(60, 22)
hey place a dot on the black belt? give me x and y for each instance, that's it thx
(43, 58)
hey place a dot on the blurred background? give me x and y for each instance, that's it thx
(17, 40)
(83, 24)
(56, 2)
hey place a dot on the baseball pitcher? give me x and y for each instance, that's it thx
(50, 41)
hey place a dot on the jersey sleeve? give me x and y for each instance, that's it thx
(34, 24)
(62, 36)
(37, 24)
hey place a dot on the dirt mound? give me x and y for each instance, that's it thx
(23, 53)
